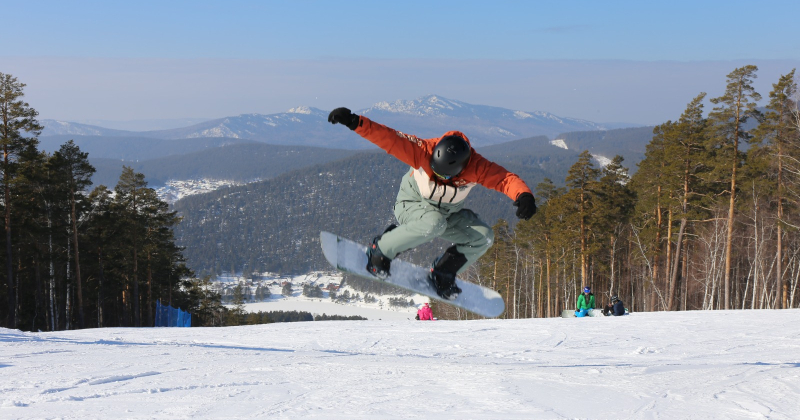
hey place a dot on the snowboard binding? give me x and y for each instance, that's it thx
(378, 264)
(443, 273)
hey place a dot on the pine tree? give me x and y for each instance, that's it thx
(100, 236)
(614, 206)
(650, 184)
(128, 201)
(541, 234)
(686, 154)
(774, 153)
(582, 175)
(18, 131)
(77, 173)
(735, 107)
(158, 241)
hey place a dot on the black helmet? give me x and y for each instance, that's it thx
(614, 298)
(450, 156)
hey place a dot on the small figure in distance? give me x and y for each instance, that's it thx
(615, 307)
(585, 303)
(425, 313)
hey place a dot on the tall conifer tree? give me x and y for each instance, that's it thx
(18, 131)
(582, 175)
(77, 173)
(687, 157)
(733, 109)
(129, 192)
(776, 152)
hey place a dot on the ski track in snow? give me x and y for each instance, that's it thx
(698, 365)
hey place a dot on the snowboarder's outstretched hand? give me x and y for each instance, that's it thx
(345, 117)
(526, 206)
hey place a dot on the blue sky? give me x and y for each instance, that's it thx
(273, 55)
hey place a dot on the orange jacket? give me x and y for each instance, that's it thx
(416, 152)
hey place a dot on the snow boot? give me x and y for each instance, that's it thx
(378, 264)
(443, 273)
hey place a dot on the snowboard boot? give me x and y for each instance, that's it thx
(378, 264)
(443, 273)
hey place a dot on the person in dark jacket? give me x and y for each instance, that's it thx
(615, 307)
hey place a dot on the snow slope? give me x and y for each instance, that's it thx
(698, 365)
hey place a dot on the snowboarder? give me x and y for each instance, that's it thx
(430, 202)
(615, 307)
(425, 313)
(585, 302)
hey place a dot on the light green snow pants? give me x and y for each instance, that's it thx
(421, 222)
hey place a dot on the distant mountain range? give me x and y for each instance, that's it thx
(429, 116)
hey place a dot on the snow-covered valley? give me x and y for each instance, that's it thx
(174, 190)
(679, 365)
(350, 301)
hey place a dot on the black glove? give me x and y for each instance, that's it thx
(526, 206)
(345, 117)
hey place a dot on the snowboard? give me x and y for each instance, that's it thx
(570, 313)
(351, 257)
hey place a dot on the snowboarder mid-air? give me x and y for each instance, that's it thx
(430, 202)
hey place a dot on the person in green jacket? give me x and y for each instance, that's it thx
(585, 302)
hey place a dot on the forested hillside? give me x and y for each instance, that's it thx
(274, 225)
(133, 148)
(628, 142)
(534, 153)
(236, 162)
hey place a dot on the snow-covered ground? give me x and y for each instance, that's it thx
(326, 307)
(174, 190)
(559, 143)
(602, 160)
(689, 365)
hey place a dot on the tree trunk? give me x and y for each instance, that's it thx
(782, 286)
(11, 321)
(668, 262)
(149, 293)
(81, 321)
(583, 243)
(729, 235)
(101, 281)
(53, 314)
(549, 310)
(136, 314)
(673, 281)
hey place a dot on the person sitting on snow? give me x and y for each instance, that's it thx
(585, 302)
(615, 307)
(430, 202)
(425, 313)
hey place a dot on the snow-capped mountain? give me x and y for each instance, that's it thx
(428, 116)
(437, 106)
(432, 115)
(55, 127)
(253, 126)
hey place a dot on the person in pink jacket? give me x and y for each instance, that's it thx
(425, 313)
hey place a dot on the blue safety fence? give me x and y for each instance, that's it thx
(167, 316)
